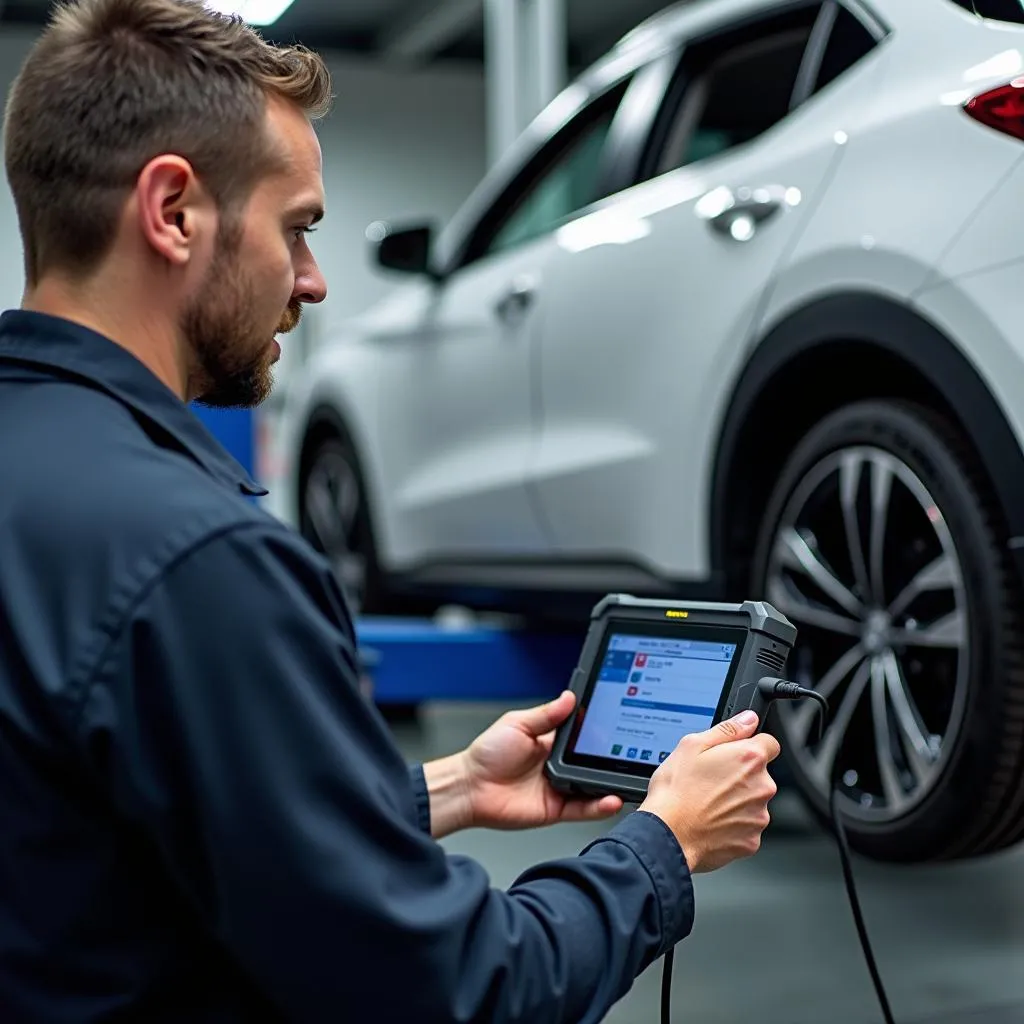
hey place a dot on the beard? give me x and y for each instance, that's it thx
(233, 355)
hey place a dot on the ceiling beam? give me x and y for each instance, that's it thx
(429, 28)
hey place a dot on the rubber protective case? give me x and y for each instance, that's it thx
(763, 652)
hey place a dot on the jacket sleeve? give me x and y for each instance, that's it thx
(225, 718)
(421, 796)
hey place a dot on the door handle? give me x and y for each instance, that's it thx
(738, 214)
(518, 298)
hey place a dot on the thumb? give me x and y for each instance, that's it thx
(545, 717)
(739, 727)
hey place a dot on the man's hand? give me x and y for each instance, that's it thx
(499, 782)
(713, 792)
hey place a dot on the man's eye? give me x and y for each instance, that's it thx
(299, 232)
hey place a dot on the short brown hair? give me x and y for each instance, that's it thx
(109, 85)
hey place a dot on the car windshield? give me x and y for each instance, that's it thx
(995, 10)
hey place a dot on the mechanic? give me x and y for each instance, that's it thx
(201, 818)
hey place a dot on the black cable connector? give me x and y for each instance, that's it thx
(781, 689)
(774, 689)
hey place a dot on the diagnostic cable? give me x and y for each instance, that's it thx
(780, 689)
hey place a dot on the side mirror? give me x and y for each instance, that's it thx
(407, 250)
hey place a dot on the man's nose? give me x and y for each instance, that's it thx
(310, 286)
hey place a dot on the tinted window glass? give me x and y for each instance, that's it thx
(732, 88)
(565, 179)
(570, 185)
(995, 10)
(848, 42)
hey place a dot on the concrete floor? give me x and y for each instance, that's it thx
(774, 941)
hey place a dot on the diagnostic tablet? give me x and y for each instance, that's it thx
(651, 672)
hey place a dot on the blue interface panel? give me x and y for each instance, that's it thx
(649, 693)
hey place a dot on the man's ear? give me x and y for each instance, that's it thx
(170, 201)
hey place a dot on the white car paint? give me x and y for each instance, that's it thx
(457, 407)
(622, 422)
(588, 428)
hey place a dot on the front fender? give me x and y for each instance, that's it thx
(893, 328)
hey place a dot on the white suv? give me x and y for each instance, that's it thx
(741, 315)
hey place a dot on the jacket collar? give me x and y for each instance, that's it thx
(67, 349)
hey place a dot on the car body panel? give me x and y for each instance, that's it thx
(626, 369)
(885, 231)
(455, 422)
(987, 308)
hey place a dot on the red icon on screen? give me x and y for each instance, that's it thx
(641, 660)
(632, 691)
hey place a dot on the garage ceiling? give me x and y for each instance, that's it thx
(419, 31)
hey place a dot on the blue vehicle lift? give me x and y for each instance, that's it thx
(236, 431)
(410, 661)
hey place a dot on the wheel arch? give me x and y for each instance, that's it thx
(868, 346)
(325, 419)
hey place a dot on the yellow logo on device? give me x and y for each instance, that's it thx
(671, 613)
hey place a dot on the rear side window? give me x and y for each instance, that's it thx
(994, 10)
(730, 89)
(848, 42)
(735, 86)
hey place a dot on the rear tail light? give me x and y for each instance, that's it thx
(1001, 108)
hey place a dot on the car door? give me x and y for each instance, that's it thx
(457, 399)
(649, 312)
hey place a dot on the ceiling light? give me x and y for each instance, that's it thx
(255, 12)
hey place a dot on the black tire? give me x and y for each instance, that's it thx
(334, 518)
(349, 543)
(963, 795)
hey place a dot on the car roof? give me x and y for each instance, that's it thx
(688, 18)
(677, 23)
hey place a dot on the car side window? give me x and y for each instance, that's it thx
(565, 178)
(994, 10)
(848, 42)
(731, 88)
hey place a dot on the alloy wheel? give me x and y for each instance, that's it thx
(864, 564)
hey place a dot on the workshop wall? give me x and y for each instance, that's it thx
(398, 144)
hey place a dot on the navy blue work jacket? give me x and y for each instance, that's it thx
(201, 818)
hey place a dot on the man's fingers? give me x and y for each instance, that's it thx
(768, 745)
(591, 810)
(545, 717)
(739, 727)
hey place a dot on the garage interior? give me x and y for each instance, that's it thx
(430, 95)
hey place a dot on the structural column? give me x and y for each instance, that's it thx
(526, 62)
(549, 52)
